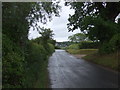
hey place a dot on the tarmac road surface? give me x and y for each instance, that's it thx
(66, 71)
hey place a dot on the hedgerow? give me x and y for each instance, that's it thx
(22, 68)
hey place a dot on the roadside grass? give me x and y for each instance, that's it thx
(82, 51)
(106, 60)
(92, 55)
(43, 80)
(36, 74)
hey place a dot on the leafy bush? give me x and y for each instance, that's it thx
(51, 48)
(111, 46)
(105, 48)
(57, 47)
(73, 46)
(12, 62)
(115, 42)
(88, 45)
(36, 57)
(35, 53)
(23, 68)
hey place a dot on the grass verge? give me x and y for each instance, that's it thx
(43, 80)
(82, 51)
(106, 60)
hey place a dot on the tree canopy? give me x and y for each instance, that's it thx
(94, 19)
(18, 17)
(22, 57)
(77, 37)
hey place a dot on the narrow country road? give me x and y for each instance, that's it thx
(66, 71)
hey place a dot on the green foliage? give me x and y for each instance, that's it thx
(88, 45)
(43, 79)
(17, 32)
(52, 41)
(36, 56)
(20, 71)
(12, 61)
(97, 20)
(95, 9)
(37, 40)
(46, 40)
(106, 60)
(37, 51)
(115, 42)
(22, 59)
(111, 46)
(101, 26)
(63, 44)
(105, 48)
(33, 12)
(51, 48)
(57, 47)
(82, 51)
(77, 37)
(46, 34)
(73, 46)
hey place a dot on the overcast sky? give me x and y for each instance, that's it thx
(58, 25)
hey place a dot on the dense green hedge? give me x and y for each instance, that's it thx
(12, 63)
(84, 45)
(73, 46)
(88, 45)
(22, 68)
(51, 48)
(37, 55)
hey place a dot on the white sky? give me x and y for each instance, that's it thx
(58, 25)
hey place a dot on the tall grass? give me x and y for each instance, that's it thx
(106, 60)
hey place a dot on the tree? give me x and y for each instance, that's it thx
(46, 34)
(17, 18)
(94, 19)
(77, 37)
(109, 11)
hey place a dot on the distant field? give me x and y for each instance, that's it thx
(82, 51)
(106, 60)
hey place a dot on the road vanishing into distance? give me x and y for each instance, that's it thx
(66, 71)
